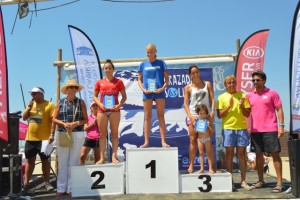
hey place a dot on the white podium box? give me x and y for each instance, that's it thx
(97, 180)
(205, 182)
(152, 170)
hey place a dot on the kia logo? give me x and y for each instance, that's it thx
(253, 52)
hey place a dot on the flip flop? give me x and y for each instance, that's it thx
(258, 185)
(277, 189)
(246, 187)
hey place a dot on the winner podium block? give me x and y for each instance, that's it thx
(205, 182)
(152, 170)
(97, 180)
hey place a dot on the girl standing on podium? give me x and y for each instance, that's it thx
(205, 128)
(195, 93)
(109, 109)
(153, 79)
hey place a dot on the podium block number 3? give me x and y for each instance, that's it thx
(96, 185)
(152, 166)
(205, 182)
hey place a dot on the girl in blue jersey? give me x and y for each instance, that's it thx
(153, 79)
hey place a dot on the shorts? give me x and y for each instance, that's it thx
(235, 138)
(32, 148)
(91, 143)
(153, 96)
(265, 142)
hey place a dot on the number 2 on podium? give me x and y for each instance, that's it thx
(152, 165)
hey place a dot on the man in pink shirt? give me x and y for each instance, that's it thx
(266, 128)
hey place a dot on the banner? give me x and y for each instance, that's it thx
(132, 112)
(88, 68)
(295, 73)
(250, 59)
(3, 85)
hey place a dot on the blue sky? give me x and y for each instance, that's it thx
(122, 30)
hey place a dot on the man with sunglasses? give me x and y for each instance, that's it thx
(38, 113)
(266, 128)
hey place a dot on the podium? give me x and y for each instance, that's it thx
(146, 171)
(152, 170)
(97, 180)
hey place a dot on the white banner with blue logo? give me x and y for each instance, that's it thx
(86, 62)
(132, 113)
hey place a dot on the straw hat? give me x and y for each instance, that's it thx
(71, 82)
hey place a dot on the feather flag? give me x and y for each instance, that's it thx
(87, 63)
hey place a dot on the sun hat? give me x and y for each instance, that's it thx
(93, 103)
(71, 82)
(37, 89)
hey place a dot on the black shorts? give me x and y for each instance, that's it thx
(91, 143)
(265, 142)
(32, 148)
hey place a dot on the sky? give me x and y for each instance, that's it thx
(122, 30)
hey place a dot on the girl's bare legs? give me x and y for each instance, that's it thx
(147, 121)
(201, 155)
(114, 120)
(84, 152)
(103, 118)
(192, 147)
(210, 155)
(160, 107)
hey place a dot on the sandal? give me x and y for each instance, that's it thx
(258, 185)
(246, 187)
(277, 189)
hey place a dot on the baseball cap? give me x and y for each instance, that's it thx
(37, 89)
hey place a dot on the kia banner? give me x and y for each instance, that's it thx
(250, 59)
(3, 85)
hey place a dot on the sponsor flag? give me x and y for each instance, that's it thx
(87, 63)
(3, 85)
(250, 59)
(295, 73)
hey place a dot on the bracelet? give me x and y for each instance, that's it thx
(281, 125)
(52, 134)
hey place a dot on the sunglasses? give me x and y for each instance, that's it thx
(34, 93)
(256, 80)
(73, 87)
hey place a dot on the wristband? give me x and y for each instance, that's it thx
(52, 134)
(281, 125)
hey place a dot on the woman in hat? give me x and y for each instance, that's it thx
(70, 115)
(109, 89)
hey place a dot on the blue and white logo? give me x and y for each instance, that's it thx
(172, 92)
(84, 51)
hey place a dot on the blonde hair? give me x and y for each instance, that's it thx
(228, 78)
(151, 46)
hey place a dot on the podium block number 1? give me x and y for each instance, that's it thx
(152, 166)
(152, 170)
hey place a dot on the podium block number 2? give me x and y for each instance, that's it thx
(95, 180)
(152, 166)
(96, 184)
